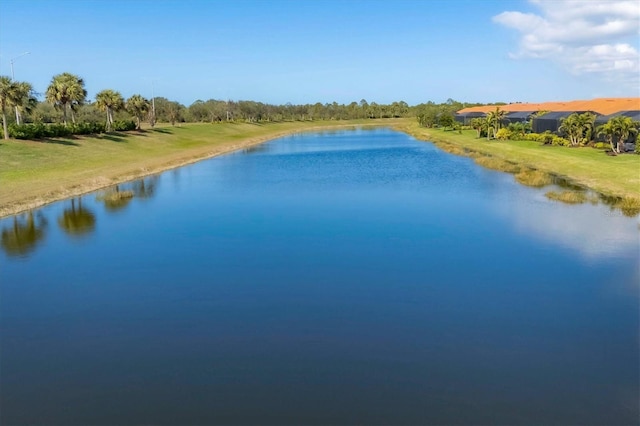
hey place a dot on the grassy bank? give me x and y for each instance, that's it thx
(615, 176)
(34, 173)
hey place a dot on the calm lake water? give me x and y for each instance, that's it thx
(351, 277)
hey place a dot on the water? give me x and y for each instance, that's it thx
(351, 277)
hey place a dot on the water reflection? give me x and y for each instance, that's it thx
(578, 227)
(261, 147)
(77, 220)
(145, 188)
(115, 199)
(24, 234)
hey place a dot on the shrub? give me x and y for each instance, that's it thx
(58, 130)
(504, 134)
(38, 131)
(87, 128)
(601, 145)
(559, 141)
(41, 130)
(123, 125)
(535, 137)
(546, 138)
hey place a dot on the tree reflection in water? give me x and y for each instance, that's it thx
(24, 235)
(77, 221)
(116, 199)
(145, 188)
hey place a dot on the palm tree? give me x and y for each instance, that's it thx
(479, 125)
(8, 95)
(494, 121)
(110, 101)
(66, 91)
(137, 106)
(608, 131)
(24, 99)
(624, 127)
(576, 125)
(618, 129)
(572, 126)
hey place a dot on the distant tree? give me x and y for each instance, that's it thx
(364, 106)
(66, 91)
(374, 110)
(174, 112)
(89, 113)
(137, 106)
(43, 112)
(109, 101)
(428, 116)
(446, 120)
(199, 111)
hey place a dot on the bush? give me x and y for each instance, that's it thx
(38, 131)
(123, 125)
(41, 130)
(559, 141)
(504, 134)
(535, 137)
(601, 145)
(88, 128)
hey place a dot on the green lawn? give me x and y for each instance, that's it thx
(618, 176)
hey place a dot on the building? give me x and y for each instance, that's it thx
(555, 111)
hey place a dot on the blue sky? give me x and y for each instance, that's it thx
(324, 51)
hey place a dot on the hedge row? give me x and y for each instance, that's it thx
(41, 130)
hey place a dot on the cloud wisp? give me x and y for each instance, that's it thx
(584, 36)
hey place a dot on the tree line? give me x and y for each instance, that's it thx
(66, 109)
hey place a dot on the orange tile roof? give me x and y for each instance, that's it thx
(603, 106)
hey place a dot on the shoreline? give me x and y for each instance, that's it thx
(159, 163)
(187, 158)
(590, 183)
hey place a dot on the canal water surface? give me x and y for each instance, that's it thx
(349, 277)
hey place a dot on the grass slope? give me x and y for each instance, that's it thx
(33, 173)
(616, 176)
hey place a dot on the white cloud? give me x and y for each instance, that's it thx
(584, 36)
